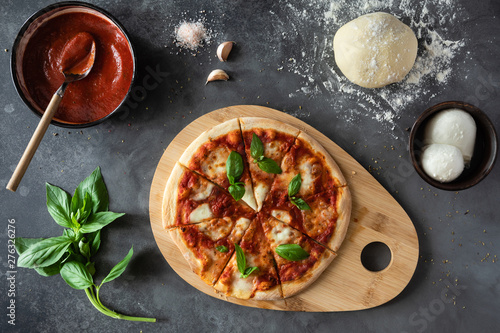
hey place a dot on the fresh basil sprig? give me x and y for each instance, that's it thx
(292, 252)
(222, 248)
(241, 262)
(293, 189)
(83, 216)
(234, 170)
(266, 164)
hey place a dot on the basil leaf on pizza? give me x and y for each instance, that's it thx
(222, 248)
(234, 166)
(256, 147)
(300, 203)
(293, 188)
(292, 252)
(237, 191)
(266, 164)
(241, 262)
(248, 271)
(234, 170)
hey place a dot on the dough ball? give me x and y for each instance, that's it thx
(375, 50)
(453, 127)
(443, 163)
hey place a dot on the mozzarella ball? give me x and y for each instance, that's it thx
(375, 50)
(453, 127)
(442, 162)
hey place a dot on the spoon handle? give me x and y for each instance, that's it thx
(40, 130)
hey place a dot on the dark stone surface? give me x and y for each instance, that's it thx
(458, 232)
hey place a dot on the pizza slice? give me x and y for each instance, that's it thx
(325, 219)
(207, 246)
(318, 171)
(274, 139)
(209, 153)
(189, 198)
(262, 281)
(300, 259)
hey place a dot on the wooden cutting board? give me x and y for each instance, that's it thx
(346, 284)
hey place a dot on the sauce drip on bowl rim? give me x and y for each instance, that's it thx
(107, 84)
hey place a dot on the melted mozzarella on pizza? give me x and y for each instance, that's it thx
(203, 193)
(283, 234)
(216, 230)
(260, 191)
(240, 227)
(214, 164)
(281, 215)
(200, 213)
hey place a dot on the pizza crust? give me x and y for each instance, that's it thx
(249, 123)
(344, 206)
(291, 288)
(169, 204)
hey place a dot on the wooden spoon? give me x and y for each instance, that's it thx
(78, 57)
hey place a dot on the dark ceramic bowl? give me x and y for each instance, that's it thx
(27, 31)
(485, 149)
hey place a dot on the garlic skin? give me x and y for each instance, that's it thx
(223, 50)
(217, 75)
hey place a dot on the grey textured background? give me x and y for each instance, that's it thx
(458, 232)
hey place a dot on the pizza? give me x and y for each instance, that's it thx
(257, 207)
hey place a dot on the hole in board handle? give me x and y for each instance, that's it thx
(376, 256)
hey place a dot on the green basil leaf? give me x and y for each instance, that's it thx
(231, 179)
(256, 147)
(222, 248)
(99, 220)
(58, 205)
(94, 241)
(234, 166)
(90, 266)
(237, 191)
(94, 185)
(119, 268)
(44, 253)
(69, 233)
(292, 252)
(22, 244)
(241, 261)
(49, 270)
(86, 210)
(300, 203)
(269, 165)
(248, 271)
(84, 247)
(294, 186)
(76, 275)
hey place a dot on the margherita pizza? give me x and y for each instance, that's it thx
(257, 207)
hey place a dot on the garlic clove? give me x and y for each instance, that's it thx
(223, 50)
(217, 74)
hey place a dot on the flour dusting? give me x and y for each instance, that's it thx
(433, 67)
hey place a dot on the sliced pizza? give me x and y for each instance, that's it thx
(209, 154)
(258, 283)
(189, 198)
(300, 259)
(318, 171)
(325, 219)
(273, 141)
(207, 246)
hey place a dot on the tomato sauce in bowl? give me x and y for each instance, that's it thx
(41, 50)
